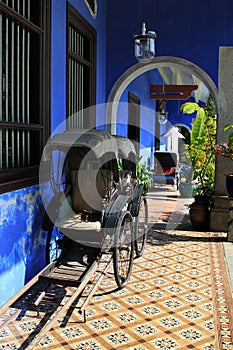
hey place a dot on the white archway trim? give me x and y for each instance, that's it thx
(133, 72)
(183, 125)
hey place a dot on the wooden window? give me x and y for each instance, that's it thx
(24, 90)
(81, 70)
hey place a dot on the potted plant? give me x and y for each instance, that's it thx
(202, 158)
(144, 176)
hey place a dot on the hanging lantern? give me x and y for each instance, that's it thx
(162, 117)
(144, 45)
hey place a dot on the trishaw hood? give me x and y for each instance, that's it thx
(125, 147)
(99, 141)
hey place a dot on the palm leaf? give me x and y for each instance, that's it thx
(199, 129)
(230, 139)
(227, 127)
(189, 107)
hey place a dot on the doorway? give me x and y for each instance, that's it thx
(134, 120)
(183, 129)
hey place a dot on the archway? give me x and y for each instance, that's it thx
(186, 132)
(158, 62)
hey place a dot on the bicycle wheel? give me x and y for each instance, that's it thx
(140, 228)
(123, 250)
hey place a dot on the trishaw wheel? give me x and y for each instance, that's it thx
(140, 228)
(123, 251)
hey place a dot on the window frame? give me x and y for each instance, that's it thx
(16, 178)
(74, 18)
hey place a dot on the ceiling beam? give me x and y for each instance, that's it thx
(171, 92)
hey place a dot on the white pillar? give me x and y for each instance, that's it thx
(220, 213)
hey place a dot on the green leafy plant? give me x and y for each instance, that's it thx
(226, 149)
(200, 151)
(230, 136)
(143, 175)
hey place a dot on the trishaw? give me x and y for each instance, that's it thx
(97, 207)
(95, 215)
(166, 168)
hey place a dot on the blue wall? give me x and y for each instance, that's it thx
(22, 248)
(22, 252)
(192, 30)
(140, 88)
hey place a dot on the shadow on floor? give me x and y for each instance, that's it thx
(160, 235)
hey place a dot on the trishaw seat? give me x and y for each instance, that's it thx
(76, 222)
(81, 231)
(89, 187)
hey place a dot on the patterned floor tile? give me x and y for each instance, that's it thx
(178, 298)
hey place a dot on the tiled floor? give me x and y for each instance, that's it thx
(178, 296)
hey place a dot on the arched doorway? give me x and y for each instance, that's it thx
(158, 62)
(186, 132)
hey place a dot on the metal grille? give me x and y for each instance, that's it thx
(19, 85)
(75, 98)
(81, 46)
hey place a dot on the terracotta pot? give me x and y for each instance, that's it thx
(199, 216)
(202, 199)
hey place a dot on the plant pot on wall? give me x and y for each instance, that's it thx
(229, 184)
(199, 214)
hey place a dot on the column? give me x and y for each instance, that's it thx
(219, 218)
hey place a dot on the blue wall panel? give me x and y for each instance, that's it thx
(22, 252)
(140, 88)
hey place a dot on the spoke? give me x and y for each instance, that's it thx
(123, 258)
(124, 251)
